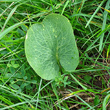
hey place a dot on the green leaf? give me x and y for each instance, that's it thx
(96, 100)
(50, 45)
(87, 78)
(15, 86)
(25, 77)
(9, 65)
(16, 65)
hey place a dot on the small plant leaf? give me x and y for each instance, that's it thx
(96, 100)
(50, 45)
(15, 86)
(87, 78)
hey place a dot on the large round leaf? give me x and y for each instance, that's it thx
(50, 44)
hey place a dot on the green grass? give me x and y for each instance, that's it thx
(87, 88)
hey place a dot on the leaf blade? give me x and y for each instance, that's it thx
(50, 44)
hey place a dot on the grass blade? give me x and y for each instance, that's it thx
(65, 7)
(104, 24)
(6, 9)
(9, 16)
(2, 34)
(105, 101)
(11, 0)
(94, 13)
(78, 82)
